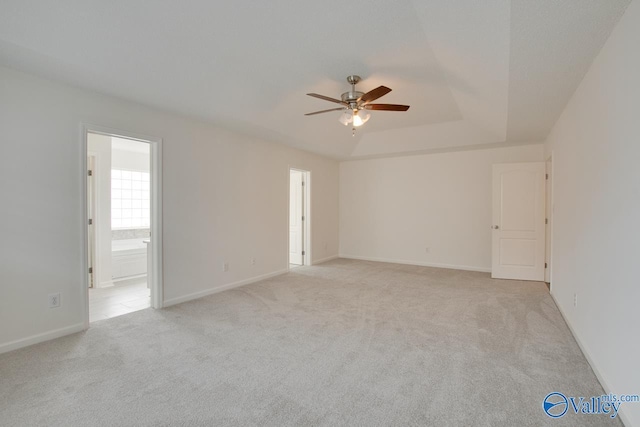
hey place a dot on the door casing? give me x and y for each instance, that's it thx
(306, 209)
(91, 214)
(296, 217)
(548, 273)
(157, 294)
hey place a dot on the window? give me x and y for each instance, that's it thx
(130, 195)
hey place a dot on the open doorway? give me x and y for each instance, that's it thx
(123, 232)
(299, 218)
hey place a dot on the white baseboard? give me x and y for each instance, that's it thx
(123, 280)
(105, 284)
(603, 383)
(216, 289)
(420, 263)
(38, 338)
(320, 261)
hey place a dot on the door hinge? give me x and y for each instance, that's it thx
(302, 253)
(303, 217)
(546, 220)
(545, 265)
(90, 172)
(90, 270)
(303, 183)
(546, 176)
(90, 221)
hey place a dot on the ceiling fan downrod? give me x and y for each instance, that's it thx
(352, 97)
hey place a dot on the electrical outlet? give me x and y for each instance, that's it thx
(54, 300)
(575, 300)
(225, 266)
(427, 250)
(326, 246)
(253, 261)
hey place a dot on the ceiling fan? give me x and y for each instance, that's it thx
(353, 103)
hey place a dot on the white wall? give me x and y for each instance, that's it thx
(596, 232)
(225, 199)
(392, 209)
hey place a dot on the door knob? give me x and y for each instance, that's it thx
(495, 227)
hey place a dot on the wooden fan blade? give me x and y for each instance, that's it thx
(386, 107)
(326, 98)
(324, 111)
(374, 94)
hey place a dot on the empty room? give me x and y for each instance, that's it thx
(293, 213)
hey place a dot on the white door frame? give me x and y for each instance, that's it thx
(156, 285)
(548, 274)
(306, 226)
(92, 237)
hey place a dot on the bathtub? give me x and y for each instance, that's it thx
(128, 258)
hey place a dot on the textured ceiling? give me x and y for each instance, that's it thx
(475, 73)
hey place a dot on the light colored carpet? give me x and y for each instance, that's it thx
(343, 343)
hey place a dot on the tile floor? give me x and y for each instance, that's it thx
(105, 303)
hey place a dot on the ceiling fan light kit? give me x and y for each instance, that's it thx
(346, 118)
(354, 103)
(358, 118)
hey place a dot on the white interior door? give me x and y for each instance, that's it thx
(91, 208)
(548, 219)
(295, 218)
(518, 241)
